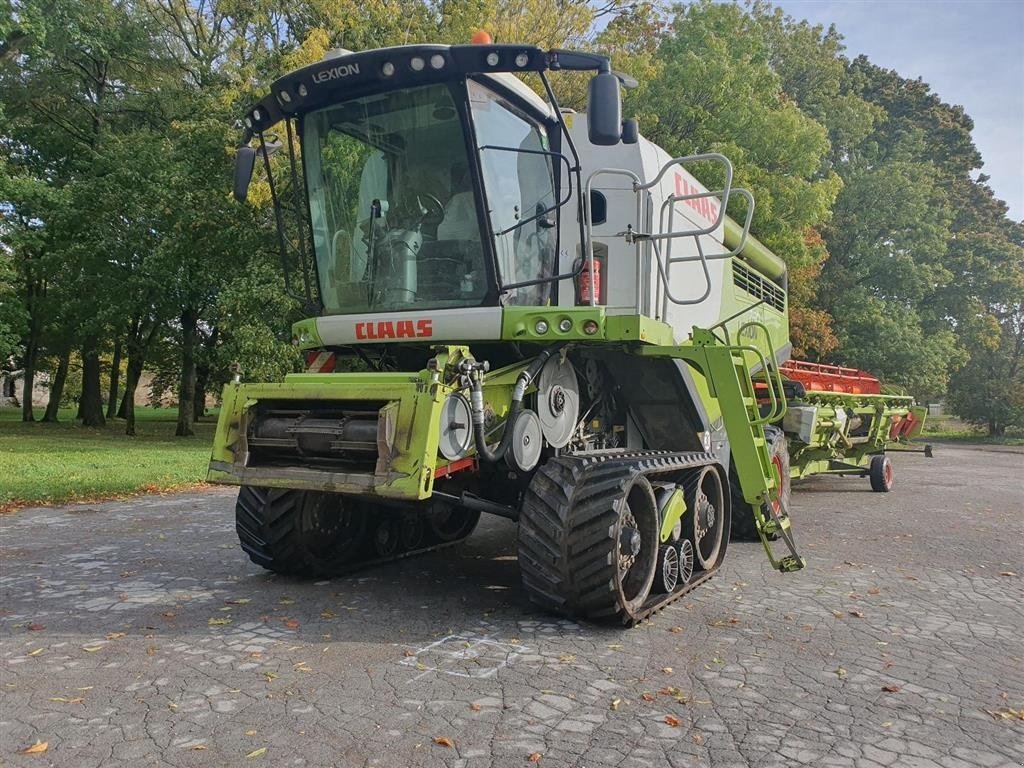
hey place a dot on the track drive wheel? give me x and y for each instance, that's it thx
(881, 474)
(743, 526)
(589, 541)
(708, 519)
(299, 532)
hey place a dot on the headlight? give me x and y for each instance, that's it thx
(541, 327)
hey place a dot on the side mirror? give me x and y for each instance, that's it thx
(245, 161)
(630, 131)
(604, 110)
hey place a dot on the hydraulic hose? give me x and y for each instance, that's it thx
(519, 391)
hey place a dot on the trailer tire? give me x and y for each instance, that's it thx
(743, 526)
(881, 474)
(299, 532)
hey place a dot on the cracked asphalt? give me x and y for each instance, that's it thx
(137, 633)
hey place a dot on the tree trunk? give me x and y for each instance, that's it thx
(995, 428)
(115, 376)
(199, 401)
(57, 387)
(91, 405)
(131, 383)
(29, 381)
(187, 386)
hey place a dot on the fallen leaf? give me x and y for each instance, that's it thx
(891, 688)
(1006, 714)
(258, 752)
(567, 657)
(534, 757)
(198, 747)
(857, 614)
(171, 705)
(1007, 573)
(168, 614)
(115, 635)
(151, 650)
(218, 622)
(837, 614)
(62, 700)
(408, 654)
(36, 749)
(85, 688)
(676, 630)
(327, 614)
(666, 670)
(250, 733)
(286, 601)
(91, 648)
(667, 691)
(874, 591)
(36, 652)
(291, 623)
(270, 676)
(475, 707)
(647, 696)
(238, 601)
(697, 738)
(616, 703)
(444, 741)
(887, 724)
(34, 627)
(615, 646)
(672, 720)
(840, 673)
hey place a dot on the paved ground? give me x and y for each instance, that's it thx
(136, 633)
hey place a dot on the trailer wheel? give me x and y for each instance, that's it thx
(743, 526)
(299, 532)
(881, 474)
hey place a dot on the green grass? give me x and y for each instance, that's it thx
(53, 463)
(951, 428)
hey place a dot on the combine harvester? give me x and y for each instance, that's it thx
(516, 310)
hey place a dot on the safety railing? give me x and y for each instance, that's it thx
(635, 235)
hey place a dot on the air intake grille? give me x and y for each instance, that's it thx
(757, 286)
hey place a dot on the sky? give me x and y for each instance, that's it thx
(971, 52)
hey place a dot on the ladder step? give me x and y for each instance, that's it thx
(772, 527)
(791, 563)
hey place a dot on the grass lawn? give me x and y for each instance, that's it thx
(950, 428)
(52, 463)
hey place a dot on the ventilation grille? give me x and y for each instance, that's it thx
(757, 286)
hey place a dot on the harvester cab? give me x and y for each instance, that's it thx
(514, 309)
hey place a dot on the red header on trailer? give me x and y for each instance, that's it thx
(818, 377)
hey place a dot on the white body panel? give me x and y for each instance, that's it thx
(630, 276)
(465, 324)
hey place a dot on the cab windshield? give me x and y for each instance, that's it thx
(394, 215)
(394, 222)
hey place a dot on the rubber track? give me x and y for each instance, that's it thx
(566, 517)
(265, 520)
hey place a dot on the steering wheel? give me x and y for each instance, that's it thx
(434, 208)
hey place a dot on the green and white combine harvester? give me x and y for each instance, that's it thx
(519, 310)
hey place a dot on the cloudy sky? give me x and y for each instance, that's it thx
(971, 52)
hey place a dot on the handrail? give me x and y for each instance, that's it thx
(759, 421)
(779, 404)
